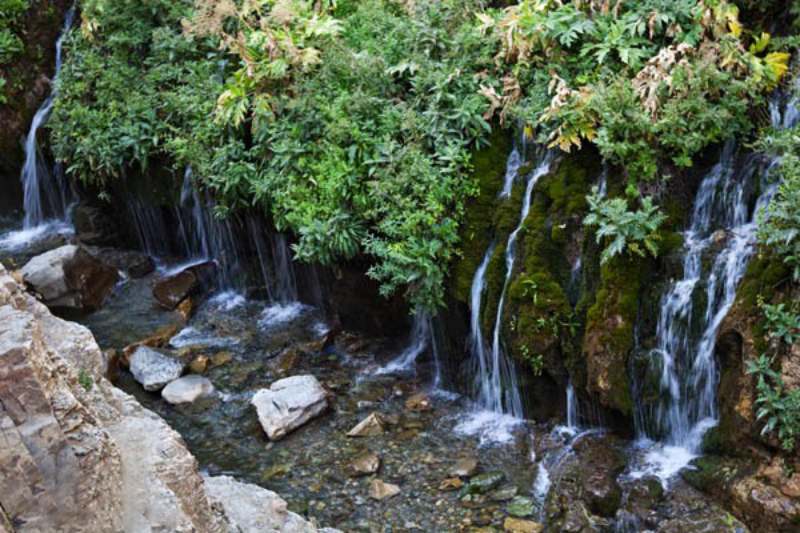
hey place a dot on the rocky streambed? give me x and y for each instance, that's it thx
(423, 460)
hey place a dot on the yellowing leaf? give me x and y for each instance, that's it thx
(735, 27)
(778, 64)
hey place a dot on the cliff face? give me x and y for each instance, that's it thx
(81, 455)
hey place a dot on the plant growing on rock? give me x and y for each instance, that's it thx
(779, 405)
(623, 229)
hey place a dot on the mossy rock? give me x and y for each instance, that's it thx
(489, 167)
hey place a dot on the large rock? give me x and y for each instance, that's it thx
(252, 509)
(187, 389)
(288, 404)
(70, 277)
(170, 291)
(80, 455)
(153, 369)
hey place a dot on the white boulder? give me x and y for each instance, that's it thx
(187, 389)
(288, 404)
(153, 369)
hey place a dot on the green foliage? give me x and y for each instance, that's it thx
(623, 229)
(779, 406)
(779, 224)
(85, 380)
(783, 323)
(10, 43)
(647, 81)
(352, 123)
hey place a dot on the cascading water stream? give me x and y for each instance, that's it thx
(47, 196)
(45, 190)
(421, 340)
(496, 384)
(722, 228)
(494, 396)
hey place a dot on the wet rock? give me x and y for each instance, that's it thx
(419, 402)
(520, 507)
(186, 308)
(465, 467)
(187, 389)
(364, 465)
(252, 509)
(452, 483)
(134, 264)
(483, 483)
(371, 426)
(93, 225)
(158, 339)
(378, 490)
(169, 292)
(220, 358)
(515, 525)
(504, 494)
(288, 404)
(153, 369)
(199, 364)
(70, 277)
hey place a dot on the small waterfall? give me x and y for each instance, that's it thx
(496, 384)
(494, 396)
(275, 264)
(421, 339)
(572, 408)
(46, 193)
(206, 237)
(722, 227)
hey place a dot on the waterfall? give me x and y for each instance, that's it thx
(493, 395)
(206, 237)
(46, 193)
(496, 384)
(723, 229)
(572, 408)
(275, 264)
(421, 339)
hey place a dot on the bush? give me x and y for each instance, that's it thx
(623, 229)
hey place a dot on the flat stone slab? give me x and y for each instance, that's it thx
(288, 404)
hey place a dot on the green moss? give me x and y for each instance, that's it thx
(489, 167)
(538, 305)
(610, 325)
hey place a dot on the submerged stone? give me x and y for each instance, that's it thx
(483, 483)
(465, 467)
(288, 404)
(364, 465)
(369, 427)
(520, 507)
(379, 490)
(515, 525)
(187, 389)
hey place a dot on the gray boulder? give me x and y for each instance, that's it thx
(288, 404)
(153, 369)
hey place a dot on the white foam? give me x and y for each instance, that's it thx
(18, 239)
(279, 314)
(541, 487)
(228, 300)
(490, 427)
(663, 461)
(190, 336)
